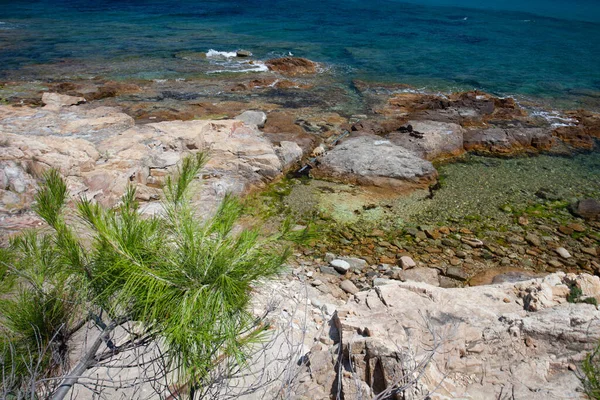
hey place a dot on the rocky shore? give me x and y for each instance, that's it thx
(518, 336)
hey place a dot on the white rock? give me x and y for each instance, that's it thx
(406, 262)
(340, 266)
(561, 251)
(257, 118)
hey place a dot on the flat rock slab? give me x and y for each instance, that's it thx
(431, 139)
(371, 160)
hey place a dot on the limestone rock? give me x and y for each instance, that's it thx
(510, 140)
(372, 161)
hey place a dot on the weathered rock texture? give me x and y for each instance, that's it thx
(100, 151)
(513, 340)
(371, 160)
(292, 66)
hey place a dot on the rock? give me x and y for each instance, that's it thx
(243, 53)
(340, 266)
(55, 100)
(372, 161)
(356, 264)
(457, 273)
(475, 243)
(561, 251)
(289, 153)
(588, 209)
(577, 227)
(382, 281)
(421, 274)
(506, 141)
(533, 240)
(292, 66)
(484, 334)
(256, 118)
(435, 140)
(407, 263)
(101, 150)
(592, 251)
(349, 287)
(565, 230)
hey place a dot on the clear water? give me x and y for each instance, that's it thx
(538, 48)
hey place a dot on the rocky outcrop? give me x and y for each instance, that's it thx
(292, 66)
(431, 140)
(371, 160)
(504, 141)
(521, 340)
(100, 151)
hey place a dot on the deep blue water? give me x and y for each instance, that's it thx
(541, 48)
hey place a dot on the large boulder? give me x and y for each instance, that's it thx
(292, 66)
(431, 139)
(371, 160)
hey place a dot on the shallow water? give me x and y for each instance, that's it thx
(534, 49)
(475, 188)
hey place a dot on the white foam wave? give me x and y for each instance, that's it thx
(554, 118)
(235, 66)
(220, 54)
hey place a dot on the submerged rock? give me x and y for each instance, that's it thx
(292, 66)
(371, 160)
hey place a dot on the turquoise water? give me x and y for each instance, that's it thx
(536, 48)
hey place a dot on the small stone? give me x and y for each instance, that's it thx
(457, 273)
(473, 242)
(572, 367)
(565, 230)
(317, 282)
(329, 257)
(523, 221)
(561, 251)
(555, 263)
(461, 254)
(340, 266)
(506, 300)
(382, 281)
(590, 250)
(349, 287)
(449, 242)
(444, 230)
(406, 262)
(576, 227)
(328, 270)
(533, 240)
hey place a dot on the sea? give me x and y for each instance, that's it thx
(539, 49)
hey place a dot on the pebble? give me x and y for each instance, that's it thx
(349, 287)
(561, 251)
(406, 262)
(590, 250)
(340, 266)
(533, 240)
(317, 282)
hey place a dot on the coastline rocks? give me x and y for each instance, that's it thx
(100, 151)
(505, 141)
(431, 139)
(371, 160)
(481, 341)
(292, 66)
